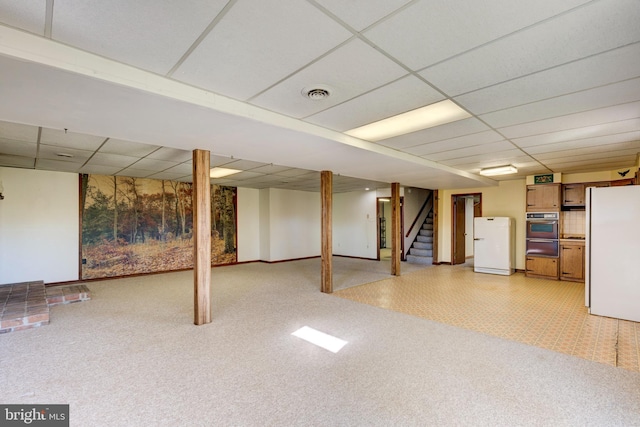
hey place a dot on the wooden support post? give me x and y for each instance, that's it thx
(201, 237)
(326, 195)
(396, 247)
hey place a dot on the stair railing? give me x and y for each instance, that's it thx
(419, 219)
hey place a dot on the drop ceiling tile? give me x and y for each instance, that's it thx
(18, 148)
(498, 158)
(592, 166)
(26, 15)
(455, 144)
(598, 116)
(359, 14)
(136, 32)
(58, 165)
(400, 96)
(604, 129)
(16, 161)
(557, 41)
(298, 173)
(349, 71)
(606, 96)
(456, 26)
(127, 148)
(70, 139)
(18, 132)
(598, 150)
(598, 155)
(171, 154)
(182, 169)
(54, 152)
(154, 164)
(170, 176)
(99, 169)
(603, 69)
(488, 149)
(135, 173)
(114, 160)
(585, 142)
(450, 130)
(241, 176)
(243, 164)
(271, 169)
(257, 44)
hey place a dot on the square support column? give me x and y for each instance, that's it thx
(326, 195)
(396, 247)
(201, 237)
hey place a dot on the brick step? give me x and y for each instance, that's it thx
(26, 305)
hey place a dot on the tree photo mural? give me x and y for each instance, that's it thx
(140, 225)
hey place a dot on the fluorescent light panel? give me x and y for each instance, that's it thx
(499, 170)
(328, 342)
(432, 115)
(221, 172)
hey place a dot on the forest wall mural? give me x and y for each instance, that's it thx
(140, 225)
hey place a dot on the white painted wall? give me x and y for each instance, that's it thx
(293, 222)
(354, 224)
(39, 226)
(248, 210)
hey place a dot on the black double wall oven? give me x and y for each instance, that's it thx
(543, 233)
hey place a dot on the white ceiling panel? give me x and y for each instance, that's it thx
(489, 148)
(100, 169)
(18, 132)
(18, 148)
(135, 173)
(244, 41)
(403, 95)
(68, 139)
(114, 160)
(627, 147)
(618, 93)
(153, 164)
(53, 152)
(171, 154)
(488, 159)
(134, 32)
(16, 161)
(541, 47)
(586, 142)
(58, 165)
(598, 116)
(128, 148)
(450, 130)
(26, 15)
(455, 144)
(171, 176)
(428, 32)
(599, 70)
(623, 126)
(349, 71)
(359, 14)
(588, 165)
(601, 156)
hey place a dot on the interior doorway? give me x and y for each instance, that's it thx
(464, 207)
(383, 216)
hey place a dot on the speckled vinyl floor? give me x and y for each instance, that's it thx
(544, 313)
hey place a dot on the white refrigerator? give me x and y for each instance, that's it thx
(494, 245)
(612, 256)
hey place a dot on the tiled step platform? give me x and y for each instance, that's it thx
(26, 305)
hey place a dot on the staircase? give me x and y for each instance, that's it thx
(421, 251)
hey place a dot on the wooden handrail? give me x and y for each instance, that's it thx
(426, 202)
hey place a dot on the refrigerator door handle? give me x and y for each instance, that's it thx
(542, 240)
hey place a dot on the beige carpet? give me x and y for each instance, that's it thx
(132, 357)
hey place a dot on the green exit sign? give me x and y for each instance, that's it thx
(543, 179)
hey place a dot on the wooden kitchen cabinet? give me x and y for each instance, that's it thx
(543, 198)
(572, 261)
(546, 268)
(573, 194)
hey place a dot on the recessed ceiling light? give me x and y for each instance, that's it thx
(432, 115)
(316, 93)
(499, 170)
(221, 172)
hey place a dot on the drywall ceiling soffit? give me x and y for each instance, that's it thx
(532, 76)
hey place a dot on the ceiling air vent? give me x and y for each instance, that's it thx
(316, 93)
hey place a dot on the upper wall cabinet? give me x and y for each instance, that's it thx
(572, 195)
(543, 198)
